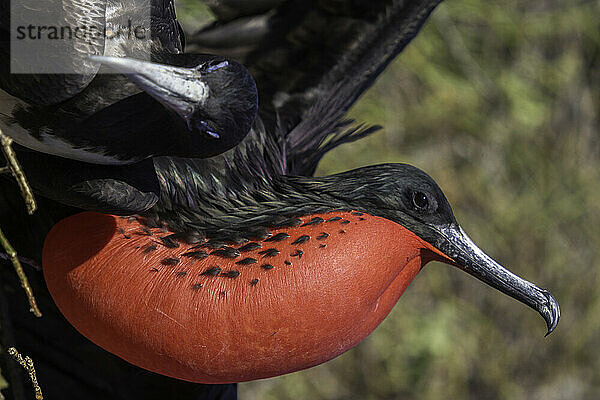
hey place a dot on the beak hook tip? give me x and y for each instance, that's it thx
(552, 314)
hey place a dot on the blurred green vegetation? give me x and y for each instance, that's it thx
(500, 103)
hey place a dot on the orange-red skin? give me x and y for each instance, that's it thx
(230, 330)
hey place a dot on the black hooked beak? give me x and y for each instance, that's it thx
(177, 88)
(454, 243)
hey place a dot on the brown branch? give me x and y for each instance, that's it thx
(27, 363)
(12, 255)
(17, 172)
(15, 169)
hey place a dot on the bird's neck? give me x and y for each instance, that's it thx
(214, 205)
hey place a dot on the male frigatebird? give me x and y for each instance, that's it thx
(247, 267)
(181, 104)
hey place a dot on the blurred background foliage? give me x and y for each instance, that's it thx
(500, 103)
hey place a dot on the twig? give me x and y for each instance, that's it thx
(15, 169)
(7, 339)
(17, 172)
(12, 255)
(27, 363)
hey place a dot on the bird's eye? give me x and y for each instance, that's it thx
(208, 130)
(420, 201)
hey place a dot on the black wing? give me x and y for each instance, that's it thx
(312, 60)
(103, 188)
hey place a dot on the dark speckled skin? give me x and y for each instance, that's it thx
(277, 319)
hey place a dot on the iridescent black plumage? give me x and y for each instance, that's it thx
(302, 107)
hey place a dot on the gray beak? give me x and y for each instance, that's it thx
(179, 89)
(455, 243)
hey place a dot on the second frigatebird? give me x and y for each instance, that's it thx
(181, 104)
